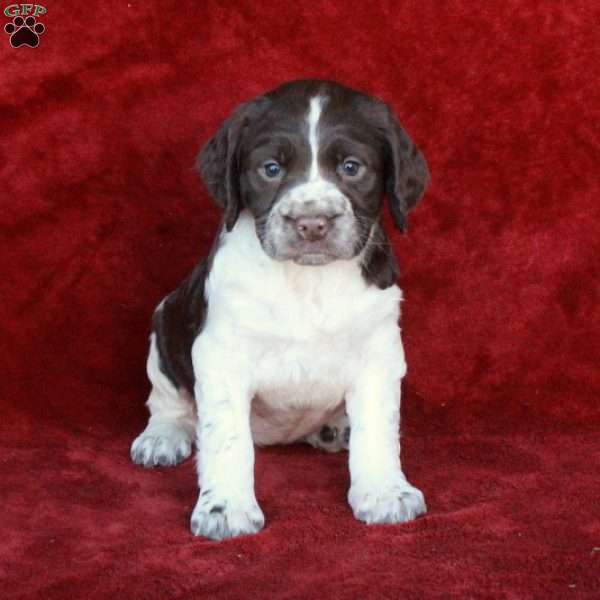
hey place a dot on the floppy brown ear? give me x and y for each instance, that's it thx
(218, 161)
(407, 174)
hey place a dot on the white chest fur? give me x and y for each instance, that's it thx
(295, 336)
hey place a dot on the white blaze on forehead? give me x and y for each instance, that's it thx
(312, 118)
(316, 195)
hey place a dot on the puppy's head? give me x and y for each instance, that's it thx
(312, 161)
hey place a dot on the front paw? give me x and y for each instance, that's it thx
(219, 519)
(161, 444)
(394, 504)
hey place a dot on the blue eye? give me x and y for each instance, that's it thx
(350, 168)
(272, 169)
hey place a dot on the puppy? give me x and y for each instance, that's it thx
(288, 331)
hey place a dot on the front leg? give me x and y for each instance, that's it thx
(227, 505)
(379, 491)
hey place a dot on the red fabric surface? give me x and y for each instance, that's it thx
(102, 214)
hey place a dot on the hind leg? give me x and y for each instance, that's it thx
(167, 439)
(333, 436)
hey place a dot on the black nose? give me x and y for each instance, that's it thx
(312, 229)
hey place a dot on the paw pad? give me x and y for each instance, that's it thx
(332, 437)
(24, 32)
(328, 434)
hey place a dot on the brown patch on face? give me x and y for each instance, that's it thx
(352, 127)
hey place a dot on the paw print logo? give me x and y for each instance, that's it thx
(24, 32)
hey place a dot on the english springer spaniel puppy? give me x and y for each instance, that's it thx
(288, 331)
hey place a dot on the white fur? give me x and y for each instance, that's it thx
(168, 436)
(298, 341)
(298, 332)
(313, 117)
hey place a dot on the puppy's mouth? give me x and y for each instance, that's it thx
(314, 248)
(313, 258)
(306, 253)
(318, 252)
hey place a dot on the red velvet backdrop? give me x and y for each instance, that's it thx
(102, 214)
